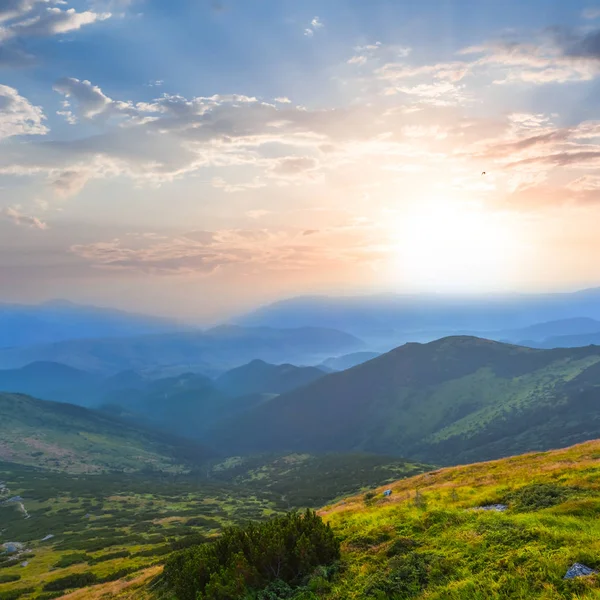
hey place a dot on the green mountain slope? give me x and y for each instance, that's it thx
(187, 405)
(72, 438)
(454, 400)
(259, 377)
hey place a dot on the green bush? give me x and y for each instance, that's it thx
(537, 496)
(9, 578)
(15, 594)
(71, 559)
(76, 580)
(247, 559)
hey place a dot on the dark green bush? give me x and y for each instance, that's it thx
(71, 559)
(15, 594)
(538, 495)
(9, 578)
(76, 580)
(247, 559)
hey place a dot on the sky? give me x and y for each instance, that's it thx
(196, 158)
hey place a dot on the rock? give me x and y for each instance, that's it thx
(48, 537)
(579, 570)
(493, 507)
(12, 547)
(24, 563)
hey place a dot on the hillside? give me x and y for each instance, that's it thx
(259, 377)
(66, 437)
(427, 541)
(187, 405)
(455, 400)
(210, 352)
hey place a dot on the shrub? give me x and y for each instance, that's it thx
(76, 580)
(71, 559)
(537, 496)
(285, 549)
(9, 578)
(15, 594)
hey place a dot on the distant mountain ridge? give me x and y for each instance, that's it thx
(259, 377)
(211, 352)
(387, 320)
(58, 320)
(454, 400)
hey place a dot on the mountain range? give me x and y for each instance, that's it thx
(387, 320)
(450, 401)
(209, 352)
(58, 320)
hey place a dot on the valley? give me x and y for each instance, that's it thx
(140, 451)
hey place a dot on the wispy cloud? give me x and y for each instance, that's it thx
(23, 19)
(314, 26)
(14, 215)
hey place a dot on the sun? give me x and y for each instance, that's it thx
(447, 245)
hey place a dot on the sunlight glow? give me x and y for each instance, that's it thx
(451, 246)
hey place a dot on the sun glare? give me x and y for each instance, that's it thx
(449, 246)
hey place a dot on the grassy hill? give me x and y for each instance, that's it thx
(259, 377)
(429, 541)
(66, 437)
(458, 399)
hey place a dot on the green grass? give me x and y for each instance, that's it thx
(108, 523)
(427, 542)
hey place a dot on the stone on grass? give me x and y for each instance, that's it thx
(579, 570)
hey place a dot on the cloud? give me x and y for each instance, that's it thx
(315, 25)
(591, 13)
(90, 99)
(23, 19)
(13, 214)
(55, 21)
(70, 183)
(240, 249)
(18, 116)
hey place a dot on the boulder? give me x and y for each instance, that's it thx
(579, 570)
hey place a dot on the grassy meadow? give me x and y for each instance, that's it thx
(110, 527)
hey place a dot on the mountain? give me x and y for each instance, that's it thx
(187, 405)
(63, 436)
(384, 321)
(51, 381)
(25, 325)
(570, 341)
(259, 377)
(341, 363)
(210, 352)
(454, 400)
